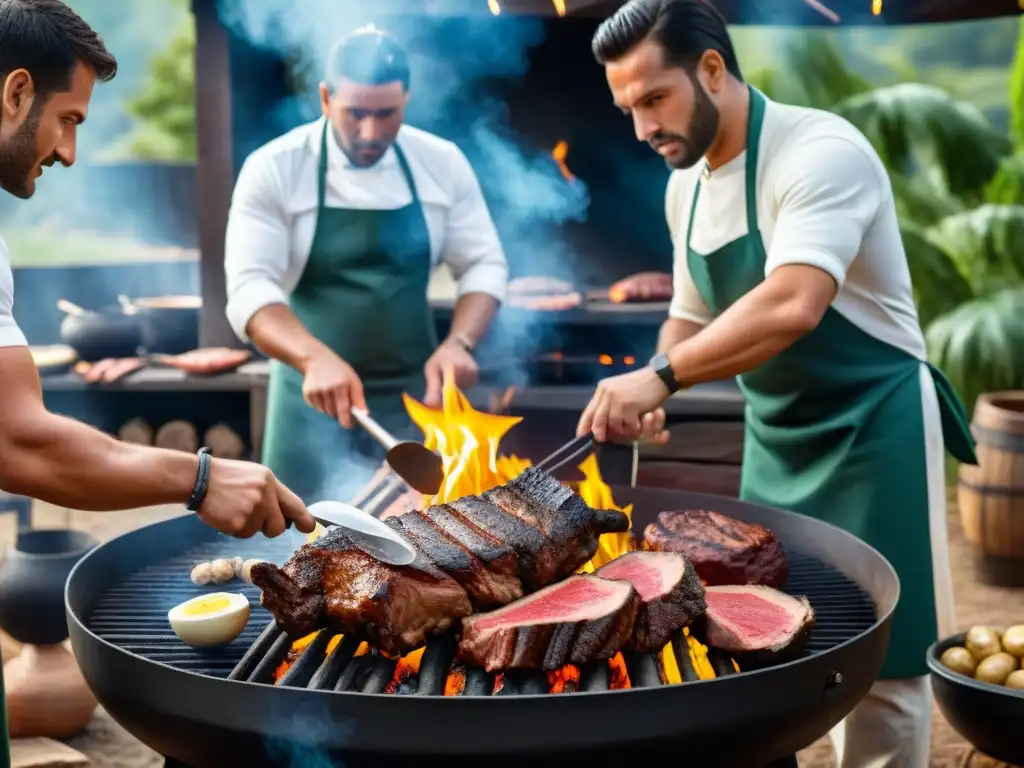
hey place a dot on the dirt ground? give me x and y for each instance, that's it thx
(109, 746)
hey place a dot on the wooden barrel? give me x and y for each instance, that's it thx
(991, 495)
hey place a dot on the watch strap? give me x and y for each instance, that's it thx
(663, 368)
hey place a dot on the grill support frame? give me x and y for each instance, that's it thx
(779, 710)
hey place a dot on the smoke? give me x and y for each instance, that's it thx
(312, 723)
(457, 61)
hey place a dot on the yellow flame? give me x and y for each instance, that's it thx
(467, 440)
(493, 5)
(876, 7)
(559, 7)
(598, 495)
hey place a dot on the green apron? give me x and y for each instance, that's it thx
(5, 734)
(835, 430)
(363, 293)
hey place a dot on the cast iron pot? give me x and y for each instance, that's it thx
(32, 582)
(95, 335)
(986, 715)
(170, 324)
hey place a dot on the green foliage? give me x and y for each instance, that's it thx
(921, 128)
(165, 108)
(979, 344)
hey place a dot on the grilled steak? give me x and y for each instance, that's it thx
(758, 621)
(723, 550)
(670, 590)
(331, 583)
(551, 529)
(580, 619)
(485, 588)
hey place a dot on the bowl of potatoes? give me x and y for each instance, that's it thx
(978, 681)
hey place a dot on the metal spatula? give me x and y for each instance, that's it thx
(420, 467)
(367, 532)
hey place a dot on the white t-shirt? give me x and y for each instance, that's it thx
(273, 213)
(823, 199)
(10, 333)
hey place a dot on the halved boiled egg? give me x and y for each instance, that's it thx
(210, 620)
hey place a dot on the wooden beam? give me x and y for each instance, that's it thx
(214, 168)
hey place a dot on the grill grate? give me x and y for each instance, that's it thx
(133, 616)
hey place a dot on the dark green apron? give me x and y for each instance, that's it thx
(835, 430)
(5, 734)
(363, 293)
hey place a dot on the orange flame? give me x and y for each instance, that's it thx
(560, 153)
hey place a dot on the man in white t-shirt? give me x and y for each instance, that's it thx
(51, 60)
(790, 274)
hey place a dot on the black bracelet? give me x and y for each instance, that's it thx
(202, 481)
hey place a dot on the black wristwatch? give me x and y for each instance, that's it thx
(663, 368)
(462, 341)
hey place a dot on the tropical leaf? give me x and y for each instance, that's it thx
(986, 243)
(919, 128)
(939, 287)
(980, 344)
(1007, 186)
(922, 202)
(813, 73)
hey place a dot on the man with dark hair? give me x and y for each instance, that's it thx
(50, 59)
(790, 274)
(333, 233)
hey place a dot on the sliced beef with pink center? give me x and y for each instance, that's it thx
(671, 593)
(757, 620)
(580, 619)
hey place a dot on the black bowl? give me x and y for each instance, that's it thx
(988, 716)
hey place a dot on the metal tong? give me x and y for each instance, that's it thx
(574, 449)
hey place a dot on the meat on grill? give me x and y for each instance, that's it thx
(643, 286)
(580, 619)
(490, 578)
(483, 551)
(758, 621)
(332, 583)
(723, 550)
(551, 529)
(670, 590)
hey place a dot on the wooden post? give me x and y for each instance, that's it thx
(214, 168)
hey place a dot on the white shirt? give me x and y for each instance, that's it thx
(10, 333)
(824, 200)
(273, 213)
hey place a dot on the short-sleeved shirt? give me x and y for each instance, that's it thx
(10, 333)
(823, 199)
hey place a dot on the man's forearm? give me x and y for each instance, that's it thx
(67, 463)
(675, 331)
(756, 328)
(472, 316)
(278, 333)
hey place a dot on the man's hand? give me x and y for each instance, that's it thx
(619, 407)
(332, 386)
(450, 358)
(244, 498)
